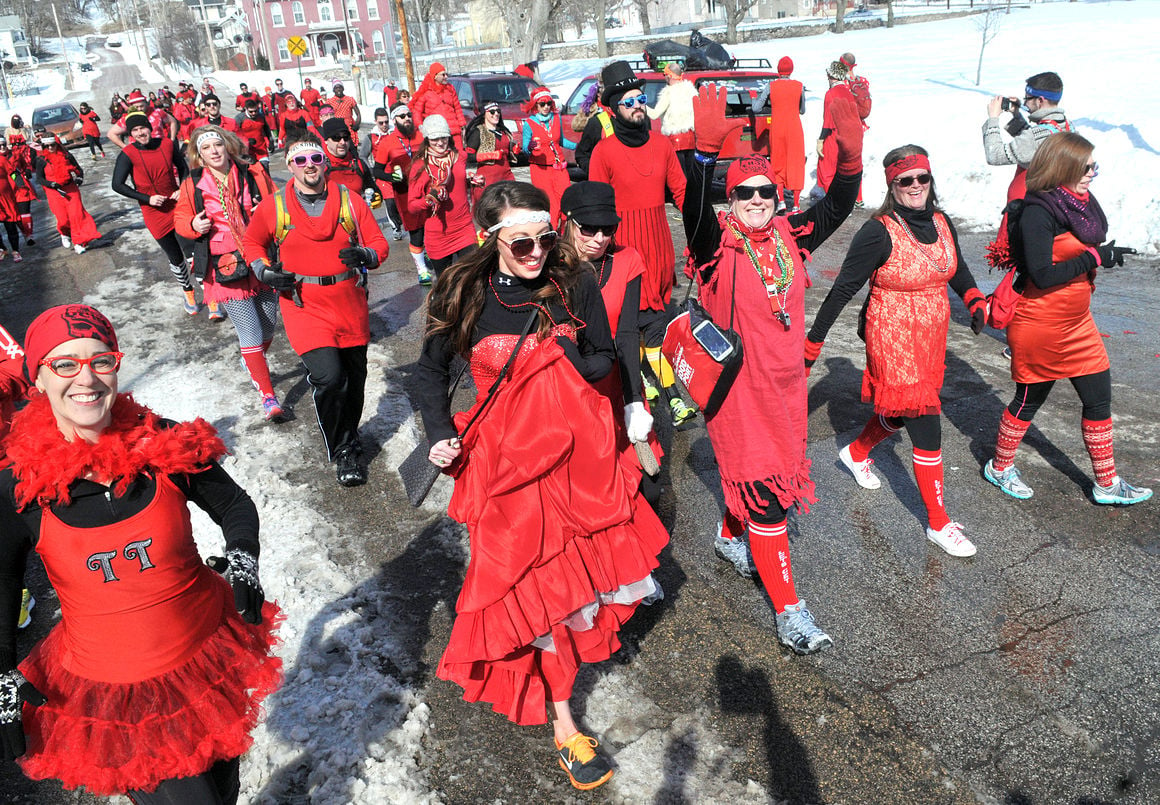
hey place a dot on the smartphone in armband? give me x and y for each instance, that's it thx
(710, 337)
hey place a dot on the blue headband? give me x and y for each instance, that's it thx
(1046, 94)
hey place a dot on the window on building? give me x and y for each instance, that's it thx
(352, 10)
(372, 9)
(276, 18)
(325, 12)
(283, 51)
(379, 44)
(299, 13)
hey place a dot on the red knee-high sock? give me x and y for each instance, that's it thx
(1097, 438)
(875, 431)
(1011, 432)
(928, 472)
(255, 360)
(770, 547)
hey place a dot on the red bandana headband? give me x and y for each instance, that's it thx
(906, 163)
(64, 323)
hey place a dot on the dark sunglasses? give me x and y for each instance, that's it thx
(406, 115)
(907, 181)
(104, 363)
(313, 158)
(590, 231)
(523, 247)
(1093, 168)
(639, 100)
(339, 138)
(745, 192)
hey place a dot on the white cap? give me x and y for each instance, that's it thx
(435, 126)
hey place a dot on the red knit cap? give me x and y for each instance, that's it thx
(135, 97)
(64, 323)
(744, 168)
(785, 65)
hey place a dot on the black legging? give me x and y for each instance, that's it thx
(925, 431)
(653, 324)
(217, 786)
(437, 264)
(774, 513)
(94, 142)
(172, 248)
(1095, 394)
(393, 213)
(13, 236)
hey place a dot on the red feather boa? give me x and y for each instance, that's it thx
(45, 463)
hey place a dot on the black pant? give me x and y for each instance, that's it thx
(1095, 394)
(218, 786)
(393, 213)
(339, 378)
(437, 264)
(925, 431)
(653, 325)
(94, 142)
(13, 236)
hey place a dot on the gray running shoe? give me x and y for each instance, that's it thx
(1008, 480)
(1120, 492)
(736, 552)
(797, 630)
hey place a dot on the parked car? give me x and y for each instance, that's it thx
(744, 83)
(61, 119)
(509, 90)
(86, 67)
(613, 22)
(113, 42)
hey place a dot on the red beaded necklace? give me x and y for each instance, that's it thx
(563, 300)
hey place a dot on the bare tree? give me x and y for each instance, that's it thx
(987, 24)
(180, 37)
(527, 24)
(642, 9)
(840, 16)
(735, 12)
(579, 14)
(890, 13)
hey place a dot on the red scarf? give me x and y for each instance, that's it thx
(45, 463)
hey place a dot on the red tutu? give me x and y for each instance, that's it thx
(556, 524)
(111, 737)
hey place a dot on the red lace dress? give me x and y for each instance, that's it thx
(562, 546)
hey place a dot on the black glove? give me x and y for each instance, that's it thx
(51, 185)
(277, 278)
(79, 180)
(1113, 255)
(15, 690)
(358, 257)
(571, 351)
(978, 319)
(240, 567)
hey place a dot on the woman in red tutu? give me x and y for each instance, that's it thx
(562, 545)
(150, 684)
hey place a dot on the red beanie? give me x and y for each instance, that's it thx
(436, 69)
(136, 97)
(744, 168)
(784, 66)
(64, 323)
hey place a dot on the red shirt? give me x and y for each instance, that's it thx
(224, 122)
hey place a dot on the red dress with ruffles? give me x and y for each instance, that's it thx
(561, 543)
(906, 323)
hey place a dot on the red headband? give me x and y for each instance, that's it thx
(904, 164)
(745, 168)
(64, 323)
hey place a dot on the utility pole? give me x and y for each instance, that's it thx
(208, 36)
(406, 45)
(63, 49)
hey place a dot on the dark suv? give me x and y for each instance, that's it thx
(509, 90)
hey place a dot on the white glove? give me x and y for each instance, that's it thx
(638, 422)
(368, 194)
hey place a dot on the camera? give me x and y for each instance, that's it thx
(1010, 104)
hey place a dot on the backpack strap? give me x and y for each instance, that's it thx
(282, 225)
(346, 214)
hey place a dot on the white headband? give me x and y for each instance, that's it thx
(524, 217)
(206, 137)
(401, 109)
(301, 147)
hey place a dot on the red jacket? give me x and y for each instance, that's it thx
(89, 124)
(439, 101)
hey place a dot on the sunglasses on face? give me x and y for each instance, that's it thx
(523, 247)
(907, 181)
(639, 100)
(607, 230)
(745, 192)
(302, 160)
(404, 117)
(543, 103)
(1093, 168)
(340, 138)
(104, 363)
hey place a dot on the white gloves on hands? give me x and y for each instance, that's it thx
(638, 422)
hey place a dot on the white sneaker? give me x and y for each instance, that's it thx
(861, 469)
(65, 243)
(950, 538)
(79, 249)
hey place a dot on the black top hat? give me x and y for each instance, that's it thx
(591, 203)
(617, 78)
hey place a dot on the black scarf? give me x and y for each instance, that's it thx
(630, 134)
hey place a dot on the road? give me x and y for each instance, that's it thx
(1028, 674)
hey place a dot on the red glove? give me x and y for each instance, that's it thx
(813, 350)
(709, 120)
(848, 131)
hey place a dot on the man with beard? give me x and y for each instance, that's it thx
(346, 109)
(213, 116)
(156, 167)
(640, 168)
(366, 150)
(345, 166)
(318, 264)
(392, 155)
(255, 132)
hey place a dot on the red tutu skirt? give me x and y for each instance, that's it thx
(562, 545)
(111, 737)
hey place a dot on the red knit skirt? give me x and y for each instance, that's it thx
(647, 230)
(111, 737)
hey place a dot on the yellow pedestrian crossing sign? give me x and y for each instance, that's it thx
(297, 46)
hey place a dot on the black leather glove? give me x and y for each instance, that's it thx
(240, 567)
(978, 319)
(1113, 255)
(277, 278)
(358, 257)
(15, 690)
(79, 180)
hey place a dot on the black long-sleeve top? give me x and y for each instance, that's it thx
(1039, 227)
(592, 355)
(703, 233)
(591, 136)
(123, 169)
(627, 335)
(93, 506)
(869, 250)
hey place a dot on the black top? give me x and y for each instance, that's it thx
(593, 133)
(1039, 227)
(123, 169)
(93, 506)
(627, 332)
(869, 250)
(592, 356)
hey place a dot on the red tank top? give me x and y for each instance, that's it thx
(136, 599)
(153, 171)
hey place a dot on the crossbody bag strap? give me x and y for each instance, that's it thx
(502, 374)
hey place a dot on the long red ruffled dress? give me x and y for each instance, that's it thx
(149, 675)
(562, 546)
